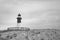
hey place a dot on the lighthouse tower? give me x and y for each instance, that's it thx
(19, 20)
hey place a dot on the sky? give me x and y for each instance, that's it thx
(35, 13)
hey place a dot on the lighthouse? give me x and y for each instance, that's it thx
(19, 20)
(18, 27)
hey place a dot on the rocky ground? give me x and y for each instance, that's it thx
(33, 34)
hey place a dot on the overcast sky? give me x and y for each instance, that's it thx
(35, 13)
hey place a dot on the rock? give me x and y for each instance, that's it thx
(35, 34)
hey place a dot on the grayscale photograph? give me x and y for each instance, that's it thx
(29, 19)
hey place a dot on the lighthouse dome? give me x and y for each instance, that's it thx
(19, 14)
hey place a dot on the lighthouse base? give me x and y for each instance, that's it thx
(18, 25)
